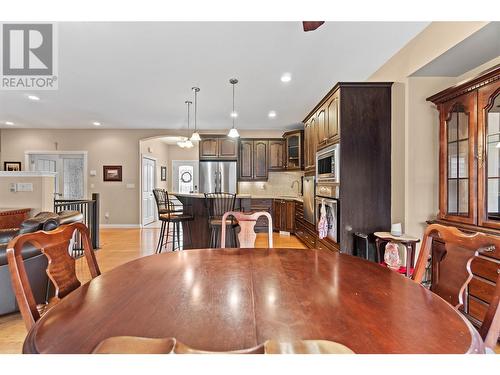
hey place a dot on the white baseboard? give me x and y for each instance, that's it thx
(123, 226)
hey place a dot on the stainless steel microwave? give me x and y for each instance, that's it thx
(327, 164)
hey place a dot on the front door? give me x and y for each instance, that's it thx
(148, 184)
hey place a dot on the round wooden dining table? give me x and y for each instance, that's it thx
(229, 299)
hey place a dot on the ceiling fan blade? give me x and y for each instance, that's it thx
(311, 25)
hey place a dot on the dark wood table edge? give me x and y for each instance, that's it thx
(476, 344)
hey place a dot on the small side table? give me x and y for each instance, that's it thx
(409, 243)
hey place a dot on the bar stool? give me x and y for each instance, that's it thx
(168, 213)
(217, 205)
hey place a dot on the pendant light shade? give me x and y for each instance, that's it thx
(195, 137)
(233, 132)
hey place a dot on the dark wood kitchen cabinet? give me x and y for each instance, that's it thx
(245, 172)
(218, 147)
(276, 154)
(284, 215)
(469, 176)
(294, 146)
(260, 159)
(253, 160)
(357, 116)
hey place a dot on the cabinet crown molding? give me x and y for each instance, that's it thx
(483, 79)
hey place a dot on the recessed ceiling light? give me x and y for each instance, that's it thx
(96, 123)
(271, 114)
(9, 123)
(286, 77)
(33, 97)
(234, 114)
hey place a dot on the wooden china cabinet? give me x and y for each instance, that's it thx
(469, 175)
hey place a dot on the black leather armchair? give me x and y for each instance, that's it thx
(35, 261)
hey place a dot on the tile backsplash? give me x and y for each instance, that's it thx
(278, 183)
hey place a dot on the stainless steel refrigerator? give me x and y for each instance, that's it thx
(218, 176)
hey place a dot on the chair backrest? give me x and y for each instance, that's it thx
(453, 273)
(246, 237)
(219, 203)
(55, 245)
(161, 199)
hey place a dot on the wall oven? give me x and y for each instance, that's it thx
(332, 216)
(327, 164)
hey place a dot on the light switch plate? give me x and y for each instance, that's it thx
(93, 172)
(13, 187)
(130, 186)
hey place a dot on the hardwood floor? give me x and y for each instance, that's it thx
(118, 246)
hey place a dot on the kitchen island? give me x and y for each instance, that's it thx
(194, 204)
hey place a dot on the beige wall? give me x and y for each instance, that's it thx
(104, 147)
(40, 199)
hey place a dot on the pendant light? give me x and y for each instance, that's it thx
(186, 143)
(233, 132)
(195, 137)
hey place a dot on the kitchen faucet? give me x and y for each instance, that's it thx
(298, 186)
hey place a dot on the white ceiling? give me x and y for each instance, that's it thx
(138, 74)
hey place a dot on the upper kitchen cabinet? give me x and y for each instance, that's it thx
(276, 155)
(218, 148)
(321, 123)
(469, 151)
(294, 145)
(332, 118)
(260, 159)
(321, 128)
(253, 160)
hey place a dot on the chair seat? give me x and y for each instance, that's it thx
(176, 217)
(165, 211)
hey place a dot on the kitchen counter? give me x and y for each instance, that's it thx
(251, 196)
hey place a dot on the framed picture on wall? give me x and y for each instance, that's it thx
(112, 172)
(164, 173)
(12, 166)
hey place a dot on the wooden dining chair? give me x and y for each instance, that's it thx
(452, 272)
(247, 235)
(56, 246)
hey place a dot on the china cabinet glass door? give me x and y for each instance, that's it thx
(459, 172)
(489, 162)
